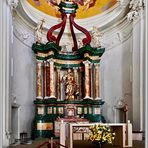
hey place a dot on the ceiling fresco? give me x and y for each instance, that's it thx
(99, 7)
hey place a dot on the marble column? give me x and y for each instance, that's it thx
(87, 80)
(52, 81)
(39, 93)
(97, 81)
(48, 79)
(80, 83)
(45, 80)
(91, 80)
(76, 79)
(58, 84)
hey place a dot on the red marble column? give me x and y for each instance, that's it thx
(45, 80)
(91, 81)
(80, 83)
(52, 80)
(87, 80)
(48, 79)
(39, 93)
(97, 81)
(76, 80)
(58, 84)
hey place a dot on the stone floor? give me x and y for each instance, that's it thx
(136, 144)
(77, 144)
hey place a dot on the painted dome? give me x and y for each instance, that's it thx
(99, 7)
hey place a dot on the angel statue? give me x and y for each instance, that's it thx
(70, 85)
(80, 43)
(39, 31)
(96, 36)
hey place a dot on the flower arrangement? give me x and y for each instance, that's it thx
(100, 134)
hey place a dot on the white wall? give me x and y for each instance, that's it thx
(116, 78)
(23, 81)
(138, 74)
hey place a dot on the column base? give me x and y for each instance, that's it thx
(97, 98)
(46, 97)
(39, 98)
(52, 97)
(87, 98)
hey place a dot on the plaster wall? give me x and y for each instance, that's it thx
(138, 75)
(23, 81)
(116, 79)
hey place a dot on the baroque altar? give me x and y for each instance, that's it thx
(67, 82)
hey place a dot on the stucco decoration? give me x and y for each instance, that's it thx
(135, 7)
(13, 3)
(111, 36)
(96, 37)
(39, 31)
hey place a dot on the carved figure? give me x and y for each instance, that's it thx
(80, 44)
(70, 85)
(38, 31)
(96, 36)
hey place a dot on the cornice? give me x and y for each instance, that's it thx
(117, 34)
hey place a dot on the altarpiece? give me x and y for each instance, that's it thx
(67, 83)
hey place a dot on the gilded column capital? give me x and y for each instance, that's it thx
(87, 62)
(58, 68)
(75, 68)
(40, 62)
(51, 60)
(96, 64)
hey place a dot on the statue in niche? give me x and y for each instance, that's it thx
(39, 31)
(96, 36)
(70, 85)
